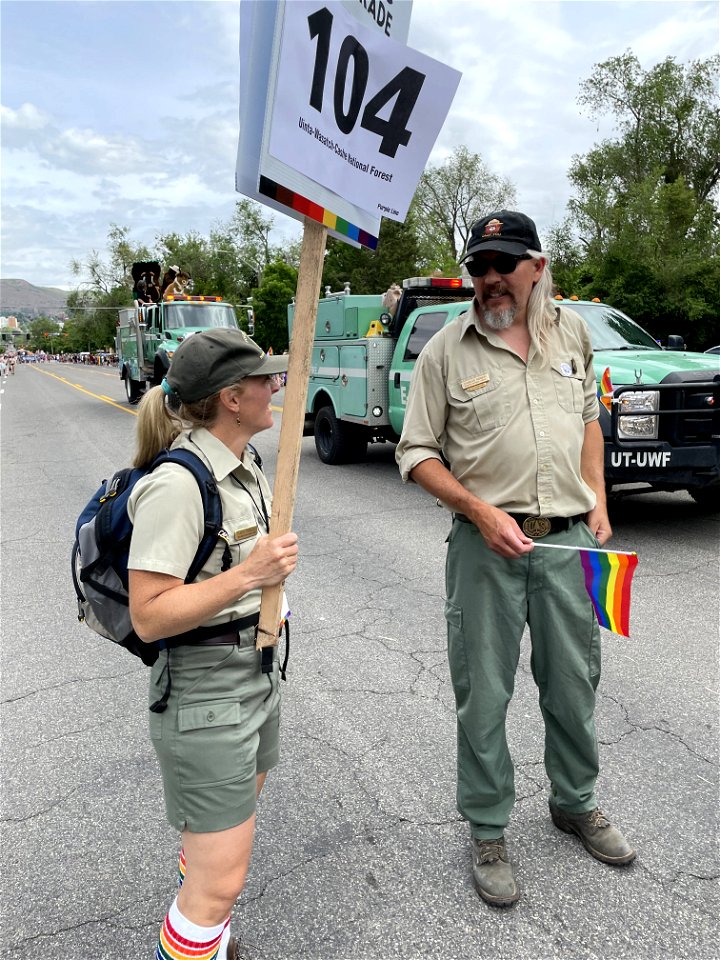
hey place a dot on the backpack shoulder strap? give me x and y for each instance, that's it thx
(256, 457)
(212, 504)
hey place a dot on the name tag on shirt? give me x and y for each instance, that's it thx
(474, 383)
(246, 532)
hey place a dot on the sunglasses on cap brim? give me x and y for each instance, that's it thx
(503, 263)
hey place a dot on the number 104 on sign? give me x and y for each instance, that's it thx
(354, 110)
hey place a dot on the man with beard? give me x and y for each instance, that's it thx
(502, 427)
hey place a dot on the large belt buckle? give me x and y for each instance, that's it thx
(536, 527)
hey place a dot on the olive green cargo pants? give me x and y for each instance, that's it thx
(489, 601)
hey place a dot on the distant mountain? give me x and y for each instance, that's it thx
(18, 297)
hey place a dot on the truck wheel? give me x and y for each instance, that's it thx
(132, 390)
(338, 442)
(707, 497)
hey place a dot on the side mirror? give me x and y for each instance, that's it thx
(675, 343)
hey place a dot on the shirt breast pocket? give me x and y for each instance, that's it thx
(239, 534)
(485, 406)
(569, 383)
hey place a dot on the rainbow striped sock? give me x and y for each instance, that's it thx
(181, 939)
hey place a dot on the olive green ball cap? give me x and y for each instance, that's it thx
(206, 362)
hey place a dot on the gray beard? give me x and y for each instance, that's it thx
(498, 320)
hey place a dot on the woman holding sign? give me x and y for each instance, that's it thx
(214, 698)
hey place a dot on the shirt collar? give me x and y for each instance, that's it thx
(221, 459)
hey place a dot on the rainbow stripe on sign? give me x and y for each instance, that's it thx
(315, 212)
(608, 578)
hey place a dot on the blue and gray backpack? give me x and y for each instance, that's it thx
(102, 544)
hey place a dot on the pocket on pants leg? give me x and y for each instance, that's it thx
(457, 653)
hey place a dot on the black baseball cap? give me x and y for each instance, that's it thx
(505, 231)
(206, 362)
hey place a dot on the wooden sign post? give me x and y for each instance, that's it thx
(312, 256)
(365, 130)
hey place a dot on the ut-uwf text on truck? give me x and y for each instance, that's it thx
(660, 419)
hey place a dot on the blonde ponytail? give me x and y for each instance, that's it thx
(157, 427)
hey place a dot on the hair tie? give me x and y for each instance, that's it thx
(170, 391)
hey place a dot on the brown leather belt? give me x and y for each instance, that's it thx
(536, 527)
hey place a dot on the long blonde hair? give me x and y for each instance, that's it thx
(540, 309)
(159, 423)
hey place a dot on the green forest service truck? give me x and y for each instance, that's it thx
(661, 422)
(148, 335)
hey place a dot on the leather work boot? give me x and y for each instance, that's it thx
(493, 873)
(599, 837)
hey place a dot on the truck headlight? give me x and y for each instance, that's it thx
(644, 426)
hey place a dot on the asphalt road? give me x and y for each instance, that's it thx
(360, 853)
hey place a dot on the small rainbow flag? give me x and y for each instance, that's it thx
(608, 577)
(605, 390)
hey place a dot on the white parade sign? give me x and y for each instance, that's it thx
(258, 19)
(354, 110)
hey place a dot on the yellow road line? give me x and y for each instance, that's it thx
(76, 386)
(99, 396)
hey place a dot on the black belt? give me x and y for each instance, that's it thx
(206, 637)
(536, 527)
(228, 633)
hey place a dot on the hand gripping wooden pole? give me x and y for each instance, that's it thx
(312, 257)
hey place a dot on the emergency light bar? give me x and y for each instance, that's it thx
(455, 282)
(182, 296)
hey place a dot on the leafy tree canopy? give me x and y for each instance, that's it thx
(668, 120)
(230, 263)
(45, 334)
(643, 229)
(270, 302)
(450, 197)
(397, 257)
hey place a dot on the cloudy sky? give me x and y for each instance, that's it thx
(126, 112)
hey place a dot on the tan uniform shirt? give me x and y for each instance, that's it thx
(512, 432)
(166, 510)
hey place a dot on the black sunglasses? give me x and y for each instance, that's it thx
(503, 263)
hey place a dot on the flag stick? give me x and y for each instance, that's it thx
(567, 546)
(312, 256)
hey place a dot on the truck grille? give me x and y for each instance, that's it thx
(690, 414)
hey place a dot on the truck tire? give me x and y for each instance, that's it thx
(133, 390)
(707, 497)
(337, 442)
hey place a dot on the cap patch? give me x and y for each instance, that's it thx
(492, 228)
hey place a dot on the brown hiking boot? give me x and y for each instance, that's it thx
(599, 837)
(493, 873)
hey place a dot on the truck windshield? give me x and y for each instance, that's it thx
(612, 330)
(199, 314)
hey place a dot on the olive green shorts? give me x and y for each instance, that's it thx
(220, 730)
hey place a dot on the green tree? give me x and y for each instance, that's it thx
(367, 271)
(232, 260)
(270, 302)
(102, 276)
(45, 335)
(450, 197)
(105, 285)
(668, 120)
(643, 230)
(190, 252)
